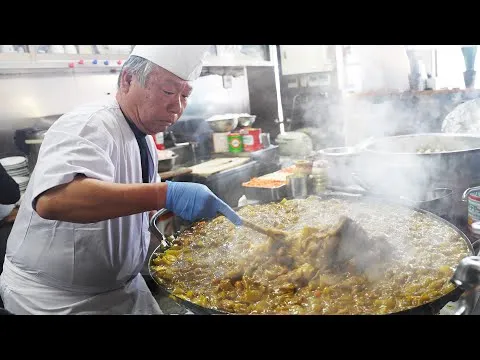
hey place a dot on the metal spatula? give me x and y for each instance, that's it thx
(273, 233)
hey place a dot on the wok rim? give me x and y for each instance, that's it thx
(454, 293)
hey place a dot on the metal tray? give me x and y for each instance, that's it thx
(265, 194)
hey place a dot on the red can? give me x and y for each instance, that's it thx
(158, 140)
(252, 139)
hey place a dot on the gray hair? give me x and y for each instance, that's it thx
(138, 66)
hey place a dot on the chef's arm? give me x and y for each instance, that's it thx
(86, 200)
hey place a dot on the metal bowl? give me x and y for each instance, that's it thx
(246, 120)
(225, 124)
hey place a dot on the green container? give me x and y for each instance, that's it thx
(235, 143)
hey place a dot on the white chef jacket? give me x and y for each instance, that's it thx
(56, 267)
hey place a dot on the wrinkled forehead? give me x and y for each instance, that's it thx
(161, 76)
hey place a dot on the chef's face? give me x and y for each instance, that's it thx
(159, 104)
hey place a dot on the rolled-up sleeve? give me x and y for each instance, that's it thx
(63, 156)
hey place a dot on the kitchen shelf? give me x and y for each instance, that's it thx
(234, 61)
(33, 62)
(8, 68)
(73, 57)
(41, 62)
(14, 57)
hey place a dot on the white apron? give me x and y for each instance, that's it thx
(25, 295)
(55, 267)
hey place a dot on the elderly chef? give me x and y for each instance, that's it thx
(81, 234)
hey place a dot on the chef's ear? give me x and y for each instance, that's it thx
(125, 81)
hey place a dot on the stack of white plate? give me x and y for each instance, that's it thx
(17, 168)
(22, 182)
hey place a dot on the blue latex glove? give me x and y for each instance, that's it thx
(192, 201)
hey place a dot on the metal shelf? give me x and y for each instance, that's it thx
(74, 57)
(235, 61)
(33, 61)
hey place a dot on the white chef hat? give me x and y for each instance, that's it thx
(185, 61)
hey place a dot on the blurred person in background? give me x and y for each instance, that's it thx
(9, 196)
(81, 235)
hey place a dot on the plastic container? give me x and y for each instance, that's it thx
(220, 142)
(235, 143)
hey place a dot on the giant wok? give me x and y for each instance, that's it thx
(214, 267)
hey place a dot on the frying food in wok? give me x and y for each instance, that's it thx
(342, 258)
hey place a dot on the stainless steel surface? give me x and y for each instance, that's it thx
(467, 277)
(185, 152)
(156, 231)
(297, 186)
(246, 120)
(167, 164)
(27, 97)
(437, 201)
(265, 194)
(265, 140)
(342, 162)
(468, 191)
(225, 124)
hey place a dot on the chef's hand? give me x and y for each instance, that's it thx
(193, 201)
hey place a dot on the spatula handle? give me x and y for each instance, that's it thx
(253, 226)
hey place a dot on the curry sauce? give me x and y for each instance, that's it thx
(235, 269)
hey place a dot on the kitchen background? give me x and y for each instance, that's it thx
(288, 87)
(320, 95)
